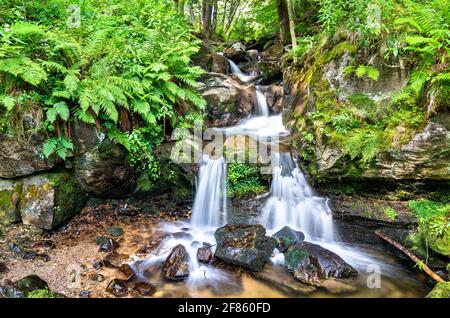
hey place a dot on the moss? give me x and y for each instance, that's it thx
(10, 202)
(294, 256)
(44, 293)
(390, 213)
(441, 290)
(69, 199)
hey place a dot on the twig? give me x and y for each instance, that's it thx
(413, 257)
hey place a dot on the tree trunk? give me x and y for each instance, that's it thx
(292, 23)
(283, 20)
(413, 257)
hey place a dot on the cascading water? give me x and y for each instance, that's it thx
(237, 71)
(261, 102)
(210, 204)
(293, 203)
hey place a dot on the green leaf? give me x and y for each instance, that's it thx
(9, 102)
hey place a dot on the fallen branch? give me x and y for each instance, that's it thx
(413, 257)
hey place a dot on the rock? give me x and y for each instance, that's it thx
(310, 263)
(244, 245)
(204, 255)
(176, 266)
(22, 287)
(143, 289)
(22, 157)
(126, 270)
(182, 236)
(236, 52)
(3, 268)
(114, 260)
(271, 62)
(97, 264)
(253, 54)
(97, 277)
(441, 290)
(219, 64)
(274, 95)
(10, 192)
(287, 237)
(106, 244)
(85, 294)
(105, 170)
(114, 231)
(50, 199)
(118, 288)
(85, 136)
(228, 101)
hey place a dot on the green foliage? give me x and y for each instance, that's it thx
(362, 70)
(58, 146)
(390, 213)
(424, 209)
(128, 64)
(243, 180)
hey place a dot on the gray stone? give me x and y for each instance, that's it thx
(10, 192)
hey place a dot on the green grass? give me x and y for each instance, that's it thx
(390, 213)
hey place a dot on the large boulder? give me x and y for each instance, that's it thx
(244, 245)
(22, 157)
(105, 170)
(310, 263)
(274, 96)
(10, 192)
(271, 62)
(176, 266)
(236, 52)
(228, 101)
(50, 199)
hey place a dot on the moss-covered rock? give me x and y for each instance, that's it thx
(441, 290)
(105, 170)
(50, 199)
(10, 192)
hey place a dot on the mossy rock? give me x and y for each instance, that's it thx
(50, 199)
(10, 192)
(441, 290)
(439, 243)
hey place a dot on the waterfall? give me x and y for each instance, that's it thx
(237, 71)
(292, 202)
(261, 102)
(210, 207)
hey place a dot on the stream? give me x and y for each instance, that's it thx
(290, 202)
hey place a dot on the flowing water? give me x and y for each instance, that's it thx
(291, 202)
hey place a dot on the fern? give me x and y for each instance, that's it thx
(60, 110)
(57, 146)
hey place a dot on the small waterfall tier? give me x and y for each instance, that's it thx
(293, 203)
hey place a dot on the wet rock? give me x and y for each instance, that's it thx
(10, 192)
(176, 266)
(236, 52)
(274, 96)
(114, 231)
(219, 64)
(118, 288)
(114, 260)
(310, 263)
(271, 62)
(204, 254)
(441, 290)
(287, 237)
(126, 270)
(182, 236)
(143, 289)
(50, 199)
(22, 287)
(106, 244)
(85, 294)
(96, 277)
(253, 54)
(244, 245)
(105, 170)
(97, 263)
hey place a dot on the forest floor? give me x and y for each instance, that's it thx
(65, 257)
